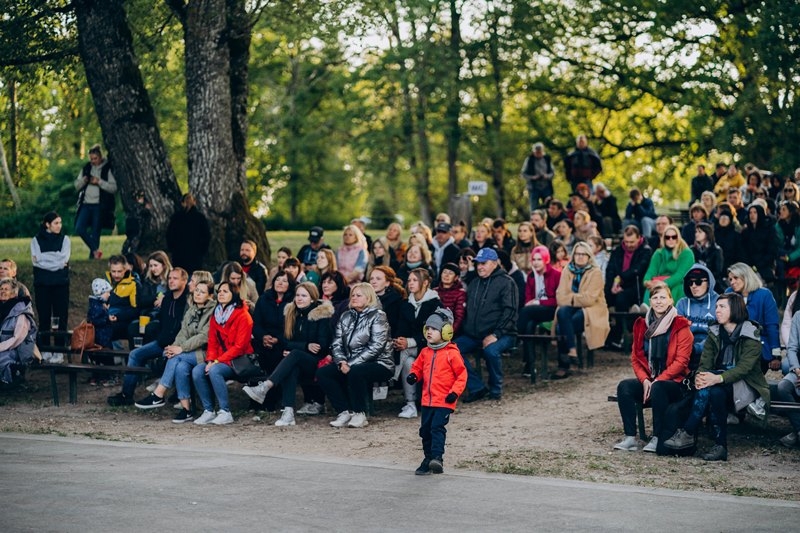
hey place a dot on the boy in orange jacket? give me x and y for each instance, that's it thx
(441, 371)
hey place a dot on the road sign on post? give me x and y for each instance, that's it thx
(478, 188)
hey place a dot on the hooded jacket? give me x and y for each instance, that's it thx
(759, 242)
(492, 306)
(701, 312)
(311, 325)
(413, 315)
(363, 337)
(454, 299)
(193, 335)
(440, 372)
(17, 337)
(746, 350)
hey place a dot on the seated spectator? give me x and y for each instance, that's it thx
(641, 212)
(792, 306)
(282, 255)
(390, 292)
(122, 303)
(788, 235)
(662, 348)
(381, 255)
(409, 337)
(8, 269)
(581, 200)
(417, 256)
(559, 257)
(394, 234)
(661, 225)
(170, 316)
(581, 309)
(697, 214)
(97, 314)
(452, 294)
(775, 187)
(606, 205)
(543, 234)
(308, 252)
(307, 334)
(467, 266)
(753, 186)
(540, 296)
(422, 231)
(444, 248)
(669, 264)
(187, 351)
(727, 236)
(526, 242)
(584, 226)
(734, 199)
(732, 179)
(150, 293)
(699, 304)
(761, 308)
(351, 257)
(565, 234)
(361, 223)
(730, 354)
(233, 272)
(502, 237)
(787, 389)
(708, 253)
(336, 290)
(459, 232)
(483, 238)
(759, 242)
(709, 201)
(17, 329)
(254, 269)
(326, 262)
(362, 355)
(601, 256)
(555, 213)
(229, 334)
(293, 267)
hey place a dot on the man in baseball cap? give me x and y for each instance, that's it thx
(308, 253)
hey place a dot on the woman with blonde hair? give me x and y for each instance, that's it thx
(581, 308)
(394, 236)
(417, 256)
(526, 242)
(669, 264)
(483, 237)
(584, 226)
(351, 257)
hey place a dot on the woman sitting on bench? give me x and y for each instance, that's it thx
(17, 329)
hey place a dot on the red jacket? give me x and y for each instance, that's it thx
(235, 336)
(679, 350)
(551, 279)
(441, 372)
(455, 299)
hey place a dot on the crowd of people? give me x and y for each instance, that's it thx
(335, 322)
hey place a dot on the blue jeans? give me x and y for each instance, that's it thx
(537, 194)
(570, 324)
(647, 225)
(89, 218)
(216, 378)
(178, 372)
(467, 345)
(138, 357)
(717, 399)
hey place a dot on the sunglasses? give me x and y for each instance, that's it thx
(697, 282)
(670, 237)
(788, 190)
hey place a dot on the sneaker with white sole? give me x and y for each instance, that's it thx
(257, 393)
(287, 418)
(627, 444)
(223, 418)
(182, 417)
(152, 387)
(342, 420)
(151, 402)
(358, 420)
(758, 408)
(789, 440)
(651, 446)
(409, 410)
(205, 418)
(680, 440)
(312, 408)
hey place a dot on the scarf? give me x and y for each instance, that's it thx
(538, 280)
(656, 339)
(727, 340)
(6, 307)
(578, 273)
(223, 313)
(412, 266)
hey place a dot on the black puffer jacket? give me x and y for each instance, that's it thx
(311, 325)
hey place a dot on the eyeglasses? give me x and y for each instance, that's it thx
(697, 282)
(670, 237)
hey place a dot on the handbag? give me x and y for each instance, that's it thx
(245, 366)
(82, 340)
(743, 395)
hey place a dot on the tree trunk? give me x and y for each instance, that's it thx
(13, 126)
(453, 112)
(130, 132)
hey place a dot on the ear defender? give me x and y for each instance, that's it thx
(447, 328)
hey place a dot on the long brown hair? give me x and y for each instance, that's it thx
(391, 276)
(291, 311)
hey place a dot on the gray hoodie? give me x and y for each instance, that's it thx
(699, 311)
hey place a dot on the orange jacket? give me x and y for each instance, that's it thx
(234, 336)
(441, 372)
(679, 351)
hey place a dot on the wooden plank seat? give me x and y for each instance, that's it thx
(72, 370)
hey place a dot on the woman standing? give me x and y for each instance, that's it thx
(730, 355)
(581, 308)
(362, 355)
(307, 335)
(669, 264)
(662, 347)
(50, 253)
(352, 255)
(228, 338)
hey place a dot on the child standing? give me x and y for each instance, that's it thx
(98, 314)
(440, 368)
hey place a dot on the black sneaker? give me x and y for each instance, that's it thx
(424, 468)
(436, 465)
(183, 416)
(151, 402)
(119, 400)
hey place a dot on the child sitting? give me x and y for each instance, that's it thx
(98, 314)
(440, 368)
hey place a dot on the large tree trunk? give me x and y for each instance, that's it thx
(453, 112)
(130, 132)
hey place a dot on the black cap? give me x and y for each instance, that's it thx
(443, 227)
(315, 234)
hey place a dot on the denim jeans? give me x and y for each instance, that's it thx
(138, 357)
(213, 383)
(537, 195)
(787, 392)
(492, 353)
(570, 324)
(178, 372)
(89, 218)
(432, 430)
(717, 399)
(647, 225)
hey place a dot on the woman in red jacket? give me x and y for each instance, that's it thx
(228, 338)
(662, 346)
(540, 297)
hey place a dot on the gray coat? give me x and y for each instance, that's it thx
(363, 338)
(21, 353)
(193, 336)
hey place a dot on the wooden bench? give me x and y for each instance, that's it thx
(72, 370)
(545, 339)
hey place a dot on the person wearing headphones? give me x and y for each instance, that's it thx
(442, 384)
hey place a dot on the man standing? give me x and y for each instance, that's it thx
(700, 183)
(490, 325)
(444, 247)
(308, 253)
(537, 171)
(254, 269)
(170, 316)
(96, 187)
(583, 164)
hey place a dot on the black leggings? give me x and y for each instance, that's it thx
(349, 391)
(662, 394)
(294, 367)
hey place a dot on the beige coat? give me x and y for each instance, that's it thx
(592, 299)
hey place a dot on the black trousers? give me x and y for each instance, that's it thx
(52, 300)
(662, 394)
(433, 431)
(348, 392)
(298, 365)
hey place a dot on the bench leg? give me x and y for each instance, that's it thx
(545, 353)
(640, 417)
(54, 387)
(73, 388)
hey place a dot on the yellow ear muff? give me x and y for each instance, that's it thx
(447, 329)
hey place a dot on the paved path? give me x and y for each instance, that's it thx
(57, 484)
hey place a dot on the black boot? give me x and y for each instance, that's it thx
(424, 467)
(436, 465)
(717, 453)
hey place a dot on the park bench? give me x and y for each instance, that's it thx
(72, 370)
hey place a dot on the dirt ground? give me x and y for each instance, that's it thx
(562, 429)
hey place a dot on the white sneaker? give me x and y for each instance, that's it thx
(634, 309)
(409, 410)
(223, 417)
(257, 393)
(644, 308)
(627, 444)
(758, 408)
(205, 418)
(342, 420)
(358, 420)
(651, 446)
(178, 405)
(152, 386)
(312, 408)
(732, 419)
(287, 418)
